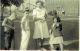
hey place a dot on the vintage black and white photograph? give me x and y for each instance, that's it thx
(39, 25)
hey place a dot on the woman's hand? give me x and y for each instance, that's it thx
(39, 19)
(42, 21)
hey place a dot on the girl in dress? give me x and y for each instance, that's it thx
(25, 34)
(56, 39)
(41, 30)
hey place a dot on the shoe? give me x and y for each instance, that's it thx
(43, 49)
(6, 48)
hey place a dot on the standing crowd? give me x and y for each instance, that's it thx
(41, 31)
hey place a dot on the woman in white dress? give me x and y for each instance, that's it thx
(25, 31)
(56, 36)
(41, 28)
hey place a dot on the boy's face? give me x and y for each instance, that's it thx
(39, 4)
(26, 12)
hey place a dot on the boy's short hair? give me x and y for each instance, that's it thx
(54, 12)
(27, 9)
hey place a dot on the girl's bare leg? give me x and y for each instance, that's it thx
(61, 46)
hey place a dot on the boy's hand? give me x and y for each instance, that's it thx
(49, 31)
(14, 28)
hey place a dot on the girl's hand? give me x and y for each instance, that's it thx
(49, 31)
(57, 24)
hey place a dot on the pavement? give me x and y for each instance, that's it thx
(70, 31)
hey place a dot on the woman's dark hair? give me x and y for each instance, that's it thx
(58, 19)
(39, 1)
(54, 13)
(60, 24)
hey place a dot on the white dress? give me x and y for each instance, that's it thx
(41, 28)
(25, 33)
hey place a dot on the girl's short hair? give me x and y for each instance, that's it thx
(58, 19)
(55, 12)
(39, 1)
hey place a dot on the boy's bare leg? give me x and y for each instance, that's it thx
(52, 47)
(25, 40)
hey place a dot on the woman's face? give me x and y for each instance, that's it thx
(39, 5)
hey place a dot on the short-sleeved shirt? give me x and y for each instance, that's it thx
(8, 22)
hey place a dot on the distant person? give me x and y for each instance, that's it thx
(41, 29)
(56, 36)
(25, 30)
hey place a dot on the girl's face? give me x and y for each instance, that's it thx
(39, 5)
(55, 20)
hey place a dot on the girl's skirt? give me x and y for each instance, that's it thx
(55, 40)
